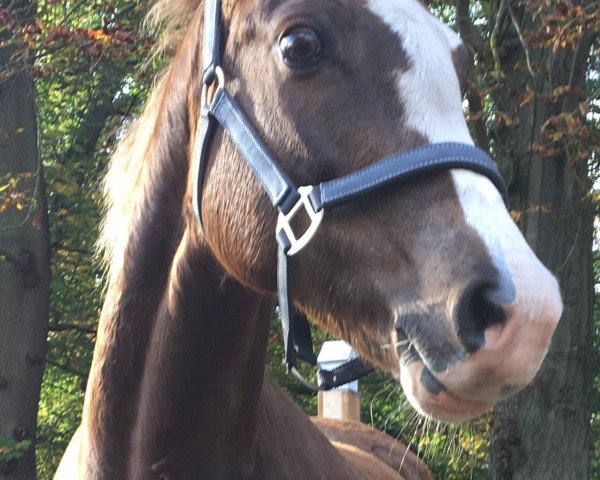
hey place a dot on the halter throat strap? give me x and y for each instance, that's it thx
(219, 108)
(211, 45)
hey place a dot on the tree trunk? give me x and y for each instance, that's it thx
(24, 250)
(544, 432)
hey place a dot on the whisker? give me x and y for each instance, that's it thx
(401, 343)
(385, 387)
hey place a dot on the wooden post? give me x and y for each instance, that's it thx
(342, 403)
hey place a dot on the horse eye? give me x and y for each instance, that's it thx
(300, 46)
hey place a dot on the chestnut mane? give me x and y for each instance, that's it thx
(126, 182)
(172, 16)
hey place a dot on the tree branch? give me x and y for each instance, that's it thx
(70, 370)
(62, 327)
(479, 129)
(59, 246)
(578, 69)
(132, 103)
(515, 23)
(475, 44)
(467, 29)
(494, 41)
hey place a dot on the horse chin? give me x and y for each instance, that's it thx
(436, 401)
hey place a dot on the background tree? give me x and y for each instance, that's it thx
(533, 64)
(93, 69)
(533, 69)
(24, 246)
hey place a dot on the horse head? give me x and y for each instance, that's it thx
(434, 268)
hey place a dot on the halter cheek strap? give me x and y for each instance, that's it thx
(222, 109)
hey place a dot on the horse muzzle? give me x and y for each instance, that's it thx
(495, 342)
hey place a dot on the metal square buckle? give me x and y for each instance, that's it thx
(283, 221)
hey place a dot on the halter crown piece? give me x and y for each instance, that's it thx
(219, 108)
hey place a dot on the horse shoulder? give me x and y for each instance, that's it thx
(386, 449)
(367, 463)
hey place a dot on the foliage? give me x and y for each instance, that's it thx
(452, 452)
(92, 73)
(13, 192)
(11, 449)
(60, 414)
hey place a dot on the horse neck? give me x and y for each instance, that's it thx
(178, 372)
(180, 354)
(177, 390)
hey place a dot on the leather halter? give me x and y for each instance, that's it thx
(220, 108)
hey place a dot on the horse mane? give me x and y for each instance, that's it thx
(171, 18)
(125, 182)
(127, 179)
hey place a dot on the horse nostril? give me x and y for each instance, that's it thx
(481, 306)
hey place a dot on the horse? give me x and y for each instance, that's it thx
(428, 279)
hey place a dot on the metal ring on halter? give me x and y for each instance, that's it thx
(310, 387)
(209, 89)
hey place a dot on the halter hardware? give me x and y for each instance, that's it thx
(284, 220)
(219, 108)
(210, 87)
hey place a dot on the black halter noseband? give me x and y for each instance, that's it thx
(221, 109)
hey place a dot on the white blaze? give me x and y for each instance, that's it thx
(429, 90)
(430, 94)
